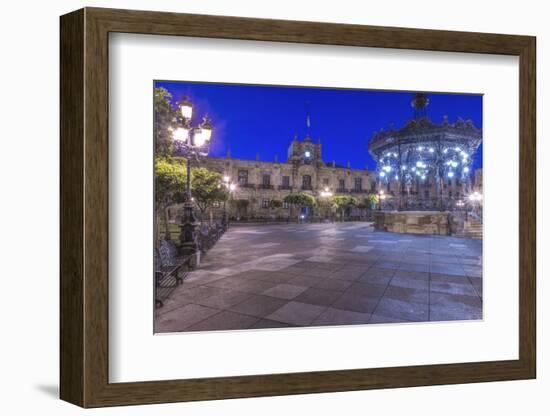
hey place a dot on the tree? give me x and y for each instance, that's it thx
(325, 207)
(299, 199)
(371, 200)
(206, 188)
(275, 203)
(165, 122)
(170, 179)
(342, 203)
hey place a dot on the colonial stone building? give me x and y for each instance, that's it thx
(259, 183)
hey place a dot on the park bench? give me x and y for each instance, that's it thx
(171, 267)
(207, 236)
(170, 270)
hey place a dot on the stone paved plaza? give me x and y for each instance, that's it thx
(272, 276)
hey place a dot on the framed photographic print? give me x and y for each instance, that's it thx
(260, 207)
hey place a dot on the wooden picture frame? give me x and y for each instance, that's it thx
(84, 207)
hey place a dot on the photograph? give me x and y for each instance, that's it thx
(280, 206)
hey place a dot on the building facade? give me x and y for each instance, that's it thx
(261, 186)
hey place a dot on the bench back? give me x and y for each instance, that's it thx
(167, 253)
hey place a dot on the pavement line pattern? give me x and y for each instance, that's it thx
(270, 276)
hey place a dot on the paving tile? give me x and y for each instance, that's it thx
(448, 278)
(170, 304)
(387, 264)
(452, 300)
(194, 294)
(350, 274)
(275, 277)
(254, 274)
(201, 278)
(367, 289)
(415, 267)
(380, 319)
(181, 318)
(307, 281)
(333, 284)
(355, 302)
(476, 261)
(355, 269)
(228, 282)
(315, 272)
(453, 288)
(333, 316)
(395, 257)
(443, 268)
(316, 296)
(472, 271)
(292, 270)
(254, 286)
(478, 284)
(225, 299)
(452, 312)
(378, 271)
(224, 321)
(446, 259)
(297, 313)
(268, 323)
(284, 291)
(412, 275)
(422, 259)
(362, 249)
(406, 294)
(409, 311)
(320, 259)
(258, 305)
(374, 279)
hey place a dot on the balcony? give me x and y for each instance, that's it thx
(307, 188)
(246, 185)
(342, 191)
(285, 188)
(265, 186)
(357, 191)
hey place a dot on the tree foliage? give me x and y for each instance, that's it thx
(206, 188)
(342, 202)
(275, 203)
(371, 200)
(170, 182)
(300, 199)
(165, 122)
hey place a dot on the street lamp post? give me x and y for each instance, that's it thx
(190, 142)
(326, 194)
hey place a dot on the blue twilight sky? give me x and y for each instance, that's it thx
(251, 119)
